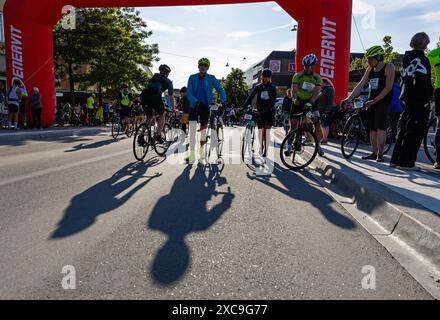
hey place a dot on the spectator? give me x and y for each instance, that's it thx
(327, 108)
(99, 116)
(287, 106)
(22, 118)
(106, 112)
(14, 98)
(36, 108)
(90, 109)
(434, 58)
(416, 95)
(183, 106)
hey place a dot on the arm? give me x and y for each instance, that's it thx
(171, 95)
(357, 91)
(251, 96)
(220, 90)
(192, 100)
(390, 75)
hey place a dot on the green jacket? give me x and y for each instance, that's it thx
(434, 59)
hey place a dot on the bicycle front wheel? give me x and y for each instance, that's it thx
(247, 146)
(299, 149)
(141, 142)
(161, 148)
(116, 128)
(429, 141)
(351, 137)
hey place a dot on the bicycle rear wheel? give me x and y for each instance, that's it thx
(351, 137)
(429, 141)
(303, 150)
(141, 142)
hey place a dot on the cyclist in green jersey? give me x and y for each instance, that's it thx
(306, 87)
(124, 99)
(434, 59)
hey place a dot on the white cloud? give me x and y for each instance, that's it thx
(430, 17)
(277, 9)
(240, 34)
(164, 28)
(363, 6)
(232, 51)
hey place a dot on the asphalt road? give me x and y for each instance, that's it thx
(157, 230)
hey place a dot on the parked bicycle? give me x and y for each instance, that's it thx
(248, 155)
(355, 132)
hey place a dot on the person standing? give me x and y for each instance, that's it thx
(90, 109)
(200, 89)
(416, 95)
(14, 98)
(287, 106)
(106, 112)
(434, 58)
(36, 108)
(183, 107)
(22, 117)
(327, 108)
(380, 77)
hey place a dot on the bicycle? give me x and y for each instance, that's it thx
(304, 143)
(429, 140)
(248, 155)
(117, 126)
(144, 138)
(214, 141)
(355, 131)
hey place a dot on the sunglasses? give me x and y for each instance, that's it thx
(203, 66)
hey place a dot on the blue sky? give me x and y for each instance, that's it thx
(230, 33)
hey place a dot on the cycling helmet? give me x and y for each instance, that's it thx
(267, 73)
(204, 62)
(374, 52)
(310, 60)
(164, 68)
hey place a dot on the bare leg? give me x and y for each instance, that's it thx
(380, 140)
(373, 141)
(160, 124)
(325, 133)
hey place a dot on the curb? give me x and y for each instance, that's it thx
(44, 134)
(393, 214)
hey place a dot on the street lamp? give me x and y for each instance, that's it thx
(295, 28)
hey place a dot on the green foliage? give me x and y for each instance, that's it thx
(390, 55)
(236, 87)
(112, 43)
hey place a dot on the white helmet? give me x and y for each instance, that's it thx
(310, 60)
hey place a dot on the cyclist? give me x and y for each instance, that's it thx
(434, 59)
(199, 93)
(306, 88)
(90, 108)
(124, 99)
(380, 77)
(151, 97)
(266, 93)
(184, 108)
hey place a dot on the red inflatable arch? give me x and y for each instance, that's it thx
(324, 28)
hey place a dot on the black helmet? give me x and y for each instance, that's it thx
(267, 73)
(164, 68)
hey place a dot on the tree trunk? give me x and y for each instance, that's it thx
(100, 93)
(72, 86)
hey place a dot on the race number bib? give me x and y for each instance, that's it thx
(265, 95)
(374, 84)
(307, 86)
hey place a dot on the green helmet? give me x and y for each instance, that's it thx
(374, 52)
(204, 61)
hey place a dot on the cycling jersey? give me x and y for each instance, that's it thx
(158, 85)
(306, 84)
(266, 97)
(124, 98)
(434, 59)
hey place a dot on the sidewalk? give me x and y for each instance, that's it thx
(404, 204)
(7, 136)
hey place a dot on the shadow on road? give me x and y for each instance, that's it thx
(95, 145)
(297, 188)
(183, 211)
(102, 198)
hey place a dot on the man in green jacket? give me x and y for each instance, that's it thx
(434, 58)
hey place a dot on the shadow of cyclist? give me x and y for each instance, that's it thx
(183, 211)
(101, 198)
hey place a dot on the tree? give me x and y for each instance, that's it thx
(236, 87)
(111, 42)
(389, 56)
